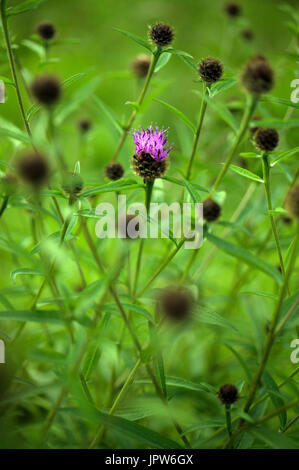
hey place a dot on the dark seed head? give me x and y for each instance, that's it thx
(210, 70)
(258, 75)
(247, 34)
(84, 125)
(233, 10)
(72, 183)
(286, 220)
(33, 169)
(211, 210)
(114, 171)
(46, 89)
(147, 167)
(46, 30)
(292, 201)
(140, 66)
(161, 34)
(176, 303)
(266, 140)
(228, 394)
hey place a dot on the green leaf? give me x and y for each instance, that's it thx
(275, 396)
(119, 185)
(222, 85)
(102, 107)
(212, 318)
(193, 193)
(23, 271)
(73, 79)
(20, 136)
(282, 101)
(162, 61)
(187, 385)
(190, 63)
(35, 47)
(284, 155)
(250, 155)
(36, 316)
(177, 52)
(241, 361)
(42, 355)
(220, 108)
(23, 7)
(246, 173)
(178, 113)
(135, 38)
(75, 100)
(130, 429)
(274, 439)
(181, 182)
(278, 123)
(246, 256)
(32, 110)
(7, 81)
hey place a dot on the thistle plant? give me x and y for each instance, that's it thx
(121, 341)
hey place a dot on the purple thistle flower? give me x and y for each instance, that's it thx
(152, 141)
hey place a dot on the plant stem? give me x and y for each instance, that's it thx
(160, 269)
(228, 419)
(243, 127)
(12, 64)
(271, 334)
(4, 205)
(136, 342)
(116, 402)
(197, 132)
(155, 59)
(148, 195)
(266, 176)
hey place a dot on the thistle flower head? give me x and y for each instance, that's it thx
(46, 89)
(161, 34)
(34, 169)
(228, 394)
(211, 210)
(114, 171)
(176, 302)
(210, 70)
(152, 141)
(233, 9)
(266, 140)
(258, 75)
(46, 30)
(140, 66)
(151, 152)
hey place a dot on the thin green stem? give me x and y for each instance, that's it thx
(228, 419)
(148, 195)
(12, 64)
(239, 136)
(197, 132)
(271, 335)
(266, 176)
(116, 402)
(139, 103)
(161, 267)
